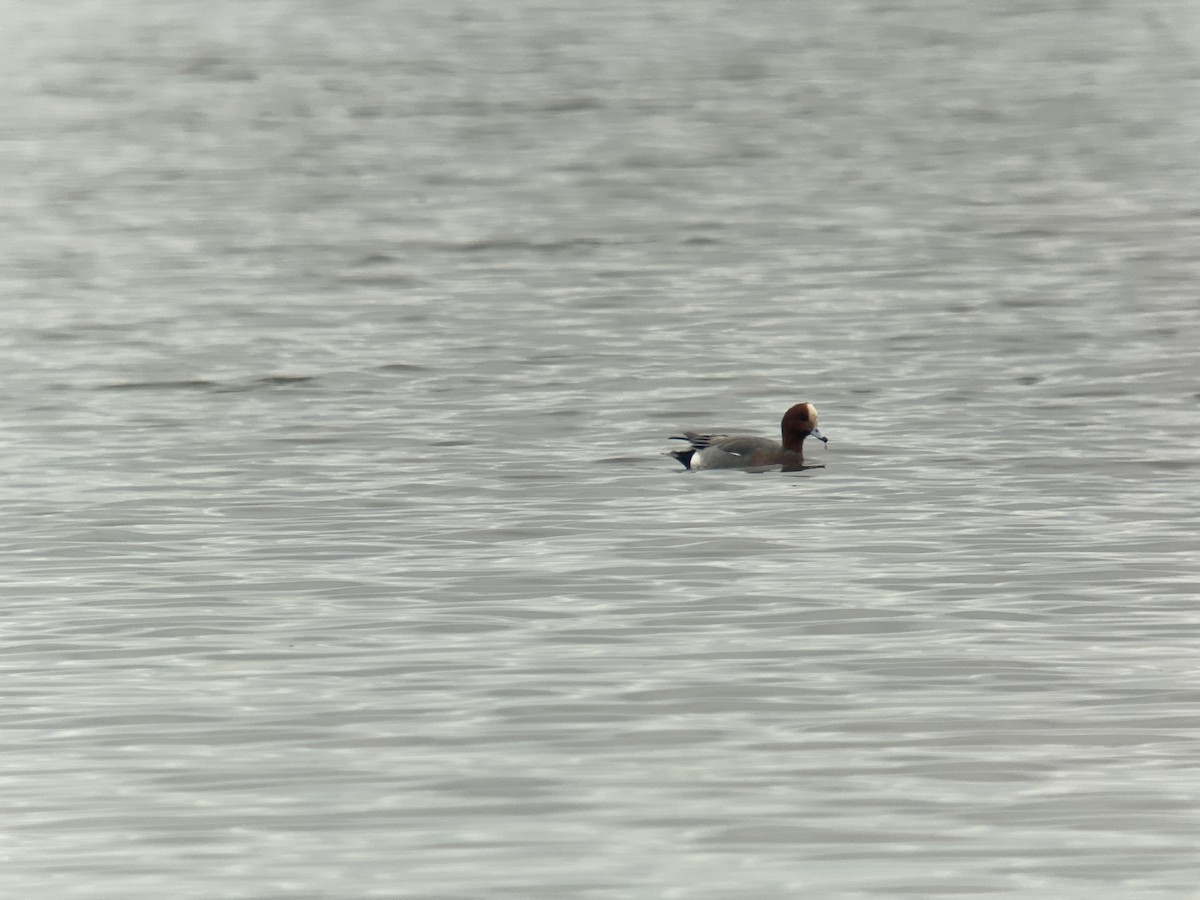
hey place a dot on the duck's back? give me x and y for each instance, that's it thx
(721, 451)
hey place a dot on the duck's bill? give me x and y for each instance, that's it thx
(820, 437)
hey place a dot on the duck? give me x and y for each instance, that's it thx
(723, 451)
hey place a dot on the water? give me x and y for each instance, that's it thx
(341, 345)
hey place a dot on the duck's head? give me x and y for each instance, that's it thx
(798, 423)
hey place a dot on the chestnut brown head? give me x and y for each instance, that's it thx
(798, 423)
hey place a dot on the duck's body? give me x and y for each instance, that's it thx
(721, 451)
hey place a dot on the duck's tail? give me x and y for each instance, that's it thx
(697, 442)
(683, 456)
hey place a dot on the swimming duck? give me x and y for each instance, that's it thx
(722, 451)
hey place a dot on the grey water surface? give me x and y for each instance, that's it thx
(341, 344)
